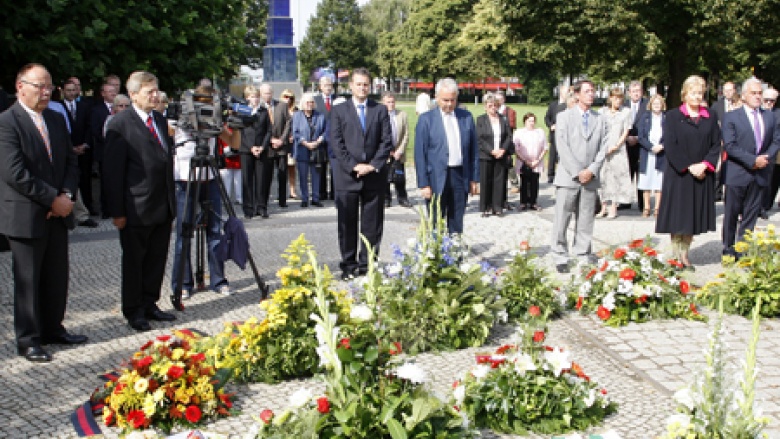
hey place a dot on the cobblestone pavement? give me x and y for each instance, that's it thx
(640, 365)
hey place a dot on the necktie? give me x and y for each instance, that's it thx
(150, 125)
(38, 119)
(757, 130)
(270, 108)
(362, 114)
(633, 111)
(585, 121)
(327, 102)
(72, 106)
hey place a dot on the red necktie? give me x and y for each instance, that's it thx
(150, 125)
(327, 102)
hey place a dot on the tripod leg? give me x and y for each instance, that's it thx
(232, 214)
(186, 238)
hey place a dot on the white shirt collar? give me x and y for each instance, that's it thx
(364, 103)
(142, 114)
(29, 110)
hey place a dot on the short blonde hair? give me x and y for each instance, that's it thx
(251, 90)
(287, 93)
(691, 82)
(656, 97)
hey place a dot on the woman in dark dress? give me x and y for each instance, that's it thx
(494, 138)
(692, 144)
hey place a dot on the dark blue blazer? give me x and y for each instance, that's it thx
(643, 126)
(740, 144)
(431, 150)
(350, 145)
(303, 132)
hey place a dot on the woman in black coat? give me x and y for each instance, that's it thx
(692, 144)
(255, 139)
(495, 149)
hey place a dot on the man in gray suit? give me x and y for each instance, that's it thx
(581, 136)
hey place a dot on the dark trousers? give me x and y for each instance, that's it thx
(144, 251)
(251, 183)
(771, 192)
(85, 180)
(529, 191)
(276, 164)
(40, 269)
(308, 172)
(452, 200)
(552, 158)
(492, 182)
(325, 170)
(359, 213)
(744, 200)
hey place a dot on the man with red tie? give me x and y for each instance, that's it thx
(140, 194)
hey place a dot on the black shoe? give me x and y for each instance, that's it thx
(65, 339)
(89, 222)
(317, 203)
(507, 206)
(562, 268)
(347, 275)
(140, 324)
(405, 203)
(162, 316)
(304, 204)
(264, 213)
(35, 354)
(247, 217)
(763, 215)
(283, 205)
(389, 204)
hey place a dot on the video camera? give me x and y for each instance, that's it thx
(205, 113)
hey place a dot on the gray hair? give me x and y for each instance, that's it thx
(326, 80)
(634, 84)
(163, 97)
(770, 93)
(307, 97)
(121, 98)
(446, 85)
(489, 98)
(751, 80)
(138, 79)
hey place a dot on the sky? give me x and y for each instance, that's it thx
(301, 11)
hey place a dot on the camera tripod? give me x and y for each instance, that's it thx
(200, 165)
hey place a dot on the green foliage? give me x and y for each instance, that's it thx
(755, 276)
(525, 283)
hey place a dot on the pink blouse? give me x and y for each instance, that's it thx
(530, 145)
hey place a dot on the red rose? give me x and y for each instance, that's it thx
(627, 274)
(538, 336)
(619, 253)
(266, 416)
(649, 251)
(200, 356)
(524, 246)
(136, 418)
(145, 361)
(163, 338)
(636, 243)
(534, 311)
(174, 372)
(323, 406)
(110, 418)
(684, 287)
(501, 350)
(482, 359)
(396, 349)
(494, 363)
(591, 274)
(694, 310)
(603, 313)
(344, 343)
(579, 303)
(192, 413)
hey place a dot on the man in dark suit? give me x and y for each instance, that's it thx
(637, 104)
(553, 109)
(275, 157)
(99, 112)
(324, 102)
(78, 115)
(445, 155)
(38, 177)
(140, 192)
(361, 140)
(511, 116)
(770, 99)
(5, 101)
(724, 103)
(751, 139)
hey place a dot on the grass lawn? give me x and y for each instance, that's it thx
(476, 110)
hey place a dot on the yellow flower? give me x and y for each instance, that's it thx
(177, 354)
(150, 406)
(141, 385)
(741, 247)
(159, 394)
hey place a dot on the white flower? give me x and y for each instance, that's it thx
(591, 398)
(393, 269)
(141, 385)
(609, 302)
(673, 281)
(585, 288)
(411, 372)
(558, 360)
(524, 363)
(411, 242)
(361, 313)
(502, 316)
(300, 398)
(685, 397)
(486, 279)
(631, 255)
(480, 371)
(466, 267)
(625, 286)
(598, 277)
(459, 394)
(613, 265)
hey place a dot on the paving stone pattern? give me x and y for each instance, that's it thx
(641, 366)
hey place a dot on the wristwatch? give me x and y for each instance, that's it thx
(68, 193)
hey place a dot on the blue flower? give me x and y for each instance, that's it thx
(485, 266)
(448, 260)
(397, 253)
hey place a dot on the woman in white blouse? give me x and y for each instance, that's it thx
(494, 138)
(530, 147)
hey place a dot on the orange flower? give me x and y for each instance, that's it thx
(504, 348)
(627, 274)
(603, 313)
(636, 243)
(266, 416)
(538, 336)
(694, 310)
(591, 273)
(649, 251)
(675, 263)
(534, 311)
(684, 287)
(619, 253)
(661, 276)
(524, 246)
(579, 303)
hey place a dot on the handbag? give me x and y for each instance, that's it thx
(397, 174)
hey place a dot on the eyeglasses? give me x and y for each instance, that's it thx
(122, 105)
(40, 87)
(768, 101)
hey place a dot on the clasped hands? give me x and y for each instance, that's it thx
(698, 170)
(585, 176)
(762, 162)
(256, 150)
(61, 207)
(363, 169)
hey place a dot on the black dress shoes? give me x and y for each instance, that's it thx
(140, 324)
(317, 203)
(283, 205)
(65, 338)
(763, 215)
(304, 204)
(405, 203)
(89, 222)
(264, 213)
(162, 316)
(35, 354)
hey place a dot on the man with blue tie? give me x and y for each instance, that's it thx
(445, 155)
(751, 139)
(360, 142)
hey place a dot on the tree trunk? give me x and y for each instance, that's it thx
(678, 56)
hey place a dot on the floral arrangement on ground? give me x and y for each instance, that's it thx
(372, 390)
(282, 345)
(524, 282)
(430, 299)
(633, 283)
(755, 275)
(166, 385)
(530, 387)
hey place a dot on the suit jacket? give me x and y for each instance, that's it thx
(431, 150)
(319, 102)
(29, 181)
(644, 126)
(138, 177)
(280, 128)
(553, 110)
(577, 149)
(350, 145)
(719, 109)
(640, 111)
(98, 114)
(402, 127)
(485, 137)
(740, 144)
(301, 131)
(511, 117)
(79, 127)
(258, 133)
